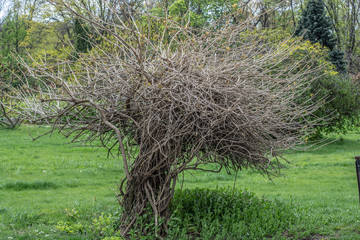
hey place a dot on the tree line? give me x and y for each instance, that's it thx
(36, 25)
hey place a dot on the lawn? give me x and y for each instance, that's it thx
(46, 181)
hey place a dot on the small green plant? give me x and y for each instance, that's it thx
(101, 226)
(72, 214)
(70, 228)
(145, 227)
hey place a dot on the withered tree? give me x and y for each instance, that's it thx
(169, 98)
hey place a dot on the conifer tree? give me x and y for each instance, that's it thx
(316, 27)
(82, 39)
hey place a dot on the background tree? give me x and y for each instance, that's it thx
(344, 15)
(82, 37)
(13, 32)
(315, 26)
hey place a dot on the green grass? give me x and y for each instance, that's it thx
(47, 181)
(19, 185)
(41, 180)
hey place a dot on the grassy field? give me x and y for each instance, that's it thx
(47, 181)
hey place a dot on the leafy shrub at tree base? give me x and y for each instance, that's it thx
(209, 214)
(233, 214)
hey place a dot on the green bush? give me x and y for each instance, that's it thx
(208, 214)
(102, 226)
(228, 214)
(342, 103)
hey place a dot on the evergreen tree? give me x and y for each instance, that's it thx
(316, 27)
(337, 58)
(82, 38)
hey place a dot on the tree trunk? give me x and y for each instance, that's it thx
(149, 190)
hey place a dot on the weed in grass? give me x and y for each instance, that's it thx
(101, 226)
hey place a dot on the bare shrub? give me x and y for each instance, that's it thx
(170, 99)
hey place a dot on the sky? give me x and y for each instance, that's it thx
(5, 4)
